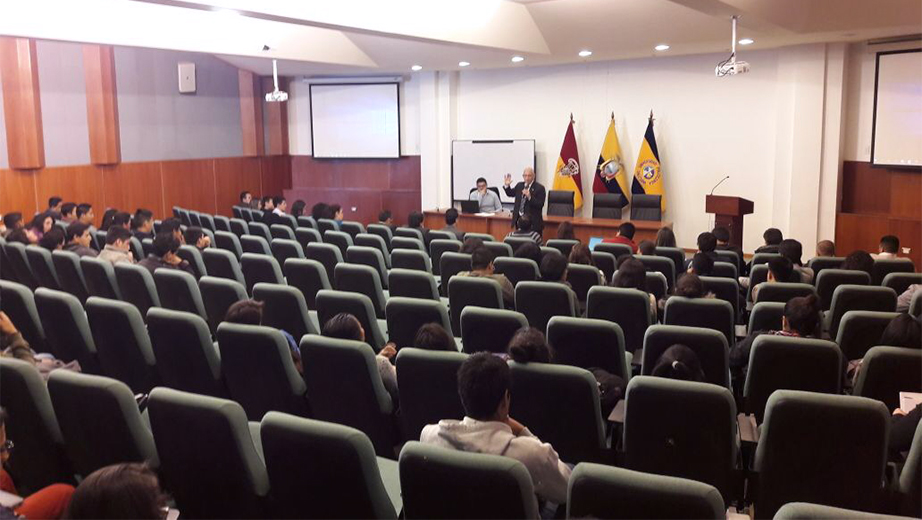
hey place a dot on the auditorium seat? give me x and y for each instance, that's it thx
(339, 239)
(405, 242)
(361, 486)
(147, 247)
(582, 278)
(137, 286)
(450, 265)
(439, 246)
(307, 221)
(915, 305)
(763, 258)
(259, 372)
(691, 434)
(724, 289)
(255, 244)
(560, 202)
(361, 279)
(260, 268)
(308, 276)
(789, 363)
(435, 480)
(807, 511)
(883, 266)
(660, 264)
(406, 315)
(899, 282)
(375, 241)
(782, 291)
(209, 457)
(222, 264)
(67, 329)
(646, 207)
(260, 230)
(615, 249)
(382, 231)
(326, 224)
(517, 242)
(464, 291)
(363, 403)
(730, 257)
(240, 227)
(407, 232)
(100, 278)
(824, 262)
(122, 344)
(757, 275)
(861, 330)
(352, 228)
(858, 298)
(909, 491)
(657, 285)
(100, 422)
(766, 316)
(791, 468)
(549, 251)
(282, 231)
(411, 259)
(606, 263)
(435, 234)
(42, 267)
(588, 343)
(40, 458)
(628, 308)
(709, 313)
(540, 301)
(411, 283)
(137, 250)
(285, 308)
(371, 257)
(283, 249)
(18, 302)
(187, 360)
(489, 329)
(98, 241)
(726, 270)
(331, 303)
(517, 269)
(179, 291)
(486, 237)
(67, 265)
(306, 236)
(246, 214)
(560, 405)
(218, 294)
(600, 491)
(208, 222)
(709, 345)
(428, 382)
(829, 279)
(608, 205)
(327, 254)
(499, 249)
(228, 242)
(562, 245)
(887, 371)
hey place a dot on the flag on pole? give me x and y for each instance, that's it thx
(648, 177)
(609, 173)
(566, 174)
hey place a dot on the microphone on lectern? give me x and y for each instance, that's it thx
(718, 184)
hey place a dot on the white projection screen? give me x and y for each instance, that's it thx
(897, 136)
(355, 120)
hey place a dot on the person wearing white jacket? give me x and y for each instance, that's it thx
(483, 384)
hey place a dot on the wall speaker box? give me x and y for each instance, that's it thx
(187, 78)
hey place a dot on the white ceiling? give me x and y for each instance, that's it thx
(330, 37)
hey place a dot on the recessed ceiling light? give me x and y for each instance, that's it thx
(416, 67)
(585, 53)
(517, 59)
(662, 47)
(746, 41)
(463, 63)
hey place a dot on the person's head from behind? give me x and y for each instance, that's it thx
(337, 211)
(279, 203)
(52, 240)
(42, 223)
(433, 336)
(344, 326)
(772, 236)
(470, 244)
(702, 265)
(780, 269)
(385, 217)
(79, 233)
(246, 312)
(631, 274)
(529, 250)
(24, 236)
(267, 203)
(529, 346)
(118, 491)
(689, 285)
(858, 261)
(195, 236)
(107, 217)
(722, 235)
(121, 219)
(85, 213)
(665, 237)
(481, 185)
(554, 268)
(647, 248)
(415, 219)
(792, 250)
(172, 226)
(451, 216)
(825, 248)
(903, 331)
(483, 386)
(320, 210)
(143, 221)
(707, 242)
(580, 254)
(54, 203)
(297, 208)
(679, 362)
(482, 260)
(523, 224)
(12, 220)
(626, 230)
(165, 246)
(565, 231)
(889, 244)
(118, 238)
(245, 198)
(69, 211)
(802, 316)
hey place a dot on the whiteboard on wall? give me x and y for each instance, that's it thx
(897, 136)
(491, 160)
(357, 120)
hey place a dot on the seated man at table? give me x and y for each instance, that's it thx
(625, 236)
(488, 199)
(482, 267)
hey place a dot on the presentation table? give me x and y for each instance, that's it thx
(500, 224)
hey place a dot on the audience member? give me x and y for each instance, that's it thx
(689, 285)
(337, 211)
(679, 362)
(523, 229)
(41, 224)
(905, 299)
(12, 221)
(470, 244)
(553, 268)
(68, 212)
(107, 217)
(701, 264)
(665, 237)
(632, 274)
(580, 254)
(902, 431)
(22, 235)
(118, 247)
(142, 225)
(722, 235)
(529, 346)
(280, 205)
(482, 267)
(793, 251)
(173, 226)
(858, 261)
(565, 231)
(297, 209)
(825, 248)
(268, 216)
(246, 198)
(54, 206)
(79, 240)
(888, 248)
(415, 221)
(347, 326)
(484, 383)
(647, 248)
(385, 218)
(451, 216)
(433, 336)
(529, 250)
(53, 240)
(488, 199)
(13, 345)
(707, 244)
(119, 491)
(164, 255)
(772, 238)
(85, 213)
(121, 219)
(902, 331)
(250, 312)
(625, 236)
(195, 236)
(780, 269)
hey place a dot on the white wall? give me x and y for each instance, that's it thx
(63, 96)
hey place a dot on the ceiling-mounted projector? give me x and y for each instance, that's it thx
(731, 66)
(276, 96)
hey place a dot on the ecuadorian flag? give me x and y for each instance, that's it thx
(609, 173)
(648, 177)
(566, 174)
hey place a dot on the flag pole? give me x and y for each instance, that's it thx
(571, 117)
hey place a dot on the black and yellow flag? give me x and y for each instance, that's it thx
(648, 176)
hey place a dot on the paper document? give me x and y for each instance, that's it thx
(909, 400)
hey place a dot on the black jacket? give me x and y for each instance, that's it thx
(533, 206)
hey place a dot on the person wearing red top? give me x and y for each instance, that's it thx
(625, 236)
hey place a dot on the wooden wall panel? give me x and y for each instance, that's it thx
(189, 184)
(233, 175)
(129, 186)
(276, 115)
(22, 105)
(17, 193)
(251, 114)
(275, 175)
(906, 195)
(102, 104)
(77, 184)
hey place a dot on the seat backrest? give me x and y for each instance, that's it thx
(646, 207)
(308, 276)
(783, 291)
(884, 266)
(255, 244)
(470, 290)
(361, 279)
(763, 258)
(260, 268)
(339, 239)
(306, 236)
(582, 278)
(282, 231)
(758, 274)
(660, 264)
(405, 242)
(100, 278)
(294, 447)
(283, 249)
(352, 228)
(307, 221)
(861, 330)
(827, 281)
(137, 286)
(326, 224)
(382, 231)
(222, 263)
(364, 403)
(766, 316)
(910, 483)
(218, 294)
(824, 262)
(615, 249)
(540, 301)
(899, 282)
(915, 305)
(709, 345)
(247, 215)
(22, 270)
(628, 308)
(207, 455)
(605, 262)
(67, 265)
(258, 370)
(285, 308)
(261, 230)
(68, 331)
(691, 435)
(18, 302)
(408, 232)
(790, 363)
(228, 242)
(122, 344)
(724, 289)
(439, 246)
(709, 313)
(562, 245)
(676, 254)
(371, 257)
(411, 259)
(435, 234)
(406, 315)
(560, 202)
(434, 480)
(327, 254)
(517, 242)
(489, 329)
(726, 255)
(799, 452)
(331, 303)
(560, 405)
(725, 270)
(40, 458)
(602, 491)
(100, 422)
(375, 241)
(428, 382)
(588, 343)
(859, 298)
(179, 291)
(187, 360)
(193, 255)
(208, 222)
(887, 371)
(410, 283)
(42, 268)
(517, 269)
(608, 205)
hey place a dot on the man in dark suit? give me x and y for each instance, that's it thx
(529, 198)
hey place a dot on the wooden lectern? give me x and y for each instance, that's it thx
(729, 213)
